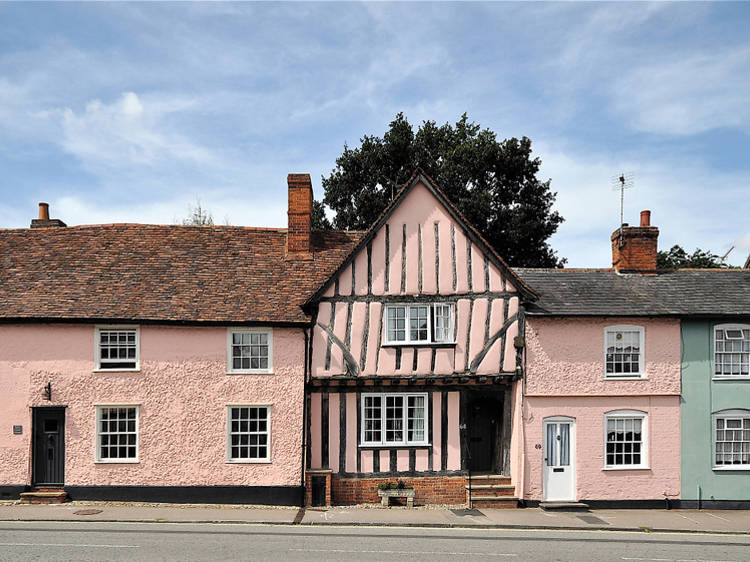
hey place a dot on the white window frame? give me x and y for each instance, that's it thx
(628, 414)
(98, 363)
(97, 454)
(230, 363)
(405, 418)
(267, 459)
(724, 415)
(430, 323)
(641, 374)
(716, 376)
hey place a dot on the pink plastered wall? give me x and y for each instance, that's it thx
(182, 390)
(565, 356)
(593, 481)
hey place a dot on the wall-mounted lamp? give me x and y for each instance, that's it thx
(48, 391)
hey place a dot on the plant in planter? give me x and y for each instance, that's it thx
(388, 490)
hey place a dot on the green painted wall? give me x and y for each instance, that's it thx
(701, 397)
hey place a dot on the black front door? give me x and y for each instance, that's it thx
(484, 417)
(49, 447)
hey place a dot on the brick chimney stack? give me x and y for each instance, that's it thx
(634, 247)
(44, 221)
(300, 216)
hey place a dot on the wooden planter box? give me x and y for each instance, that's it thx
(407, 493)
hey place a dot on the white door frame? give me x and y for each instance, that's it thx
(571, 469)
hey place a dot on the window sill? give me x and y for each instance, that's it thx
(626, 378)
(250, 461)
(732, 468)
(731, 378)
(436, 345)
(119, 461)
(250, 372)
(621, 468)
(395, 446)
(119, 370)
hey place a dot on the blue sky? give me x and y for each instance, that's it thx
(129, 112)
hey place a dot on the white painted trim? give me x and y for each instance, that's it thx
(430, 321)
(235, 330)
(641, 374)
(628, 414)
(405, 414)
(97, 443)
(229, 459)
(97, 355)
(714, 352)
(725, 414)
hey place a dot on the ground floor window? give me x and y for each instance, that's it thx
(625, 439)
(117, 433)
(732, 439)
(249, 433)
(394, 419)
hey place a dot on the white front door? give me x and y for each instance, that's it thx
(559, 460)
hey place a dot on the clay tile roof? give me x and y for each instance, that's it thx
(183, 274)
(603, 292)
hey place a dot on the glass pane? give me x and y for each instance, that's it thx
(551, 444)
(564, 444)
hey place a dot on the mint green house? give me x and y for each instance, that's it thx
(715, 409)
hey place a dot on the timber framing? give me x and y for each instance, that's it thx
(419, 176)
(461, 381)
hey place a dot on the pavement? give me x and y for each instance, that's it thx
(644, 520)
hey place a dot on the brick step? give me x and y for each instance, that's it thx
(495, 502)
(44, 496)
(496, 479)
(492, 489)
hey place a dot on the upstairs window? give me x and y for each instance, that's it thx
(732, 350)
(623, 352)
(117, 348)
(419, 323)
(250, 350)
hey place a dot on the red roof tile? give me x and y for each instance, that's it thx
(129, 272)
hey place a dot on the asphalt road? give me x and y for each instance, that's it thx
(157, 541)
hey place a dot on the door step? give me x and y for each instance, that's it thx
(491, 489)
(45, 496)
(564, 506)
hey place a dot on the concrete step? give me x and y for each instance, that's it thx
(495, 502)
(564, 506)
(44, 496)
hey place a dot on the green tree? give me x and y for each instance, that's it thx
(493, 183)
(677, 258)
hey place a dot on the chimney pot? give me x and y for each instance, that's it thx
(43, 211)
(44, 221)
(645, 218)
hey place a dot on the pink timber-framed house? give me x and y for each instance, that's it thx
(416, 361)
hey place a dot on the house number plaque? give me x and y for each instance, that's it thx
(17, 429)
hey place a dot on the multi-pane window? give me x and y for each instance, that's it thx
(394, 419)
(117, 348)
(117, 433)
(249, 433)
(623, 346)
(419, 323)
(732, 351)
(250, 351)
(732, 439)
(625, 444)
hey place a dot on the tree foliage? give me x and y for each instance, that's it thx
(678, 258)
(493, 183)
